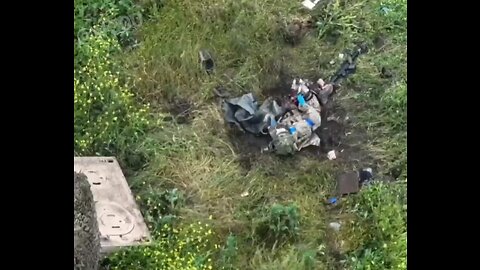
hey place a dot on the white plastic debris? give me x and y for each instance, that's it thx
(321, 82)
(309, 4)
(335, 225)
(331, 155)
(245, 194)
(331, 118)
(294, 85)
(332, 62)
(304, 89)
(341, 55)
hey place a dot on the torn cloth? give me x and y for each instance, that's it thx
(247, 115)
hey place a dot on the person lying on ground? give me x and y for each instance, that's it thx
(296, 130)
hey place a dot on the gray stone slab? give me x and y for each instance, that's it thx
(120, 222)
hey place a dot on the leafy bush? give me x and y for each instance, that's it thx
(107, 118)
(187, 248)
(284, 220)
(280, 223)
(229, 253)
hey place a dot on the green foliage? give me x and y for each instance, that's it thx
(308, 259)
(161, 207)
(107, 118)
(382, 216)
(229, 253)
(186, 248)
(291, 258)
(117, 18)
(360, 19)
(199, 158)
(282, 222)
(105, 109)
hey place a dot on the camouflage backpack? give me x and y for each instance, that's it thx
(283, 143)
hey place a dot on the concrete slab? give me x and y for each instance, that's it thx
(120, 222)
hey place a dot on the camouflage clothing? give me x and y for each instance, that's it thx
(295, 130)
(283, 142)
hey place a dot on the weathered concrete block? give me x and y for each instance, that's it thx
(85, 231)
(119, 220)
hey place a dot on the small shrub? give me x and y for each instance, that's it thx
(160, 208)
(308, 259)
(229, 253)
(284, 220)
(280, 223)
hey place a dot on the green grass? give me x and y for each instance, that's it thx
(200, 161)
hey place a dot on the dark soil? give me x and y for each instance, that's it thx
(181, 110)
(247, 145)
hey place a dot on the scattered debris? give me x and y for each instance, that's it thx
(332, 118)
(348, 66)
(340, 56)
(248, 116)
(245, 194)
(348, 183)
(365, 175)
(324, 92)
(332, 62)
(332, 200)
(292, 125)
(207, 62)
(331, 155)
(309, 4)
(385, 10)
(335, 226)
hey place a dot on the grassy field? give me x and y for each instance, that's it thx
(141, 95)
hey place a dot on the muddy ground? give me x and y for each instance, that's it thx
(338, 130)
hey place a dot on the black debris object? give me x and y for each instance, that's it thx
(348, 67)
(207, 61)
(365, 175)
